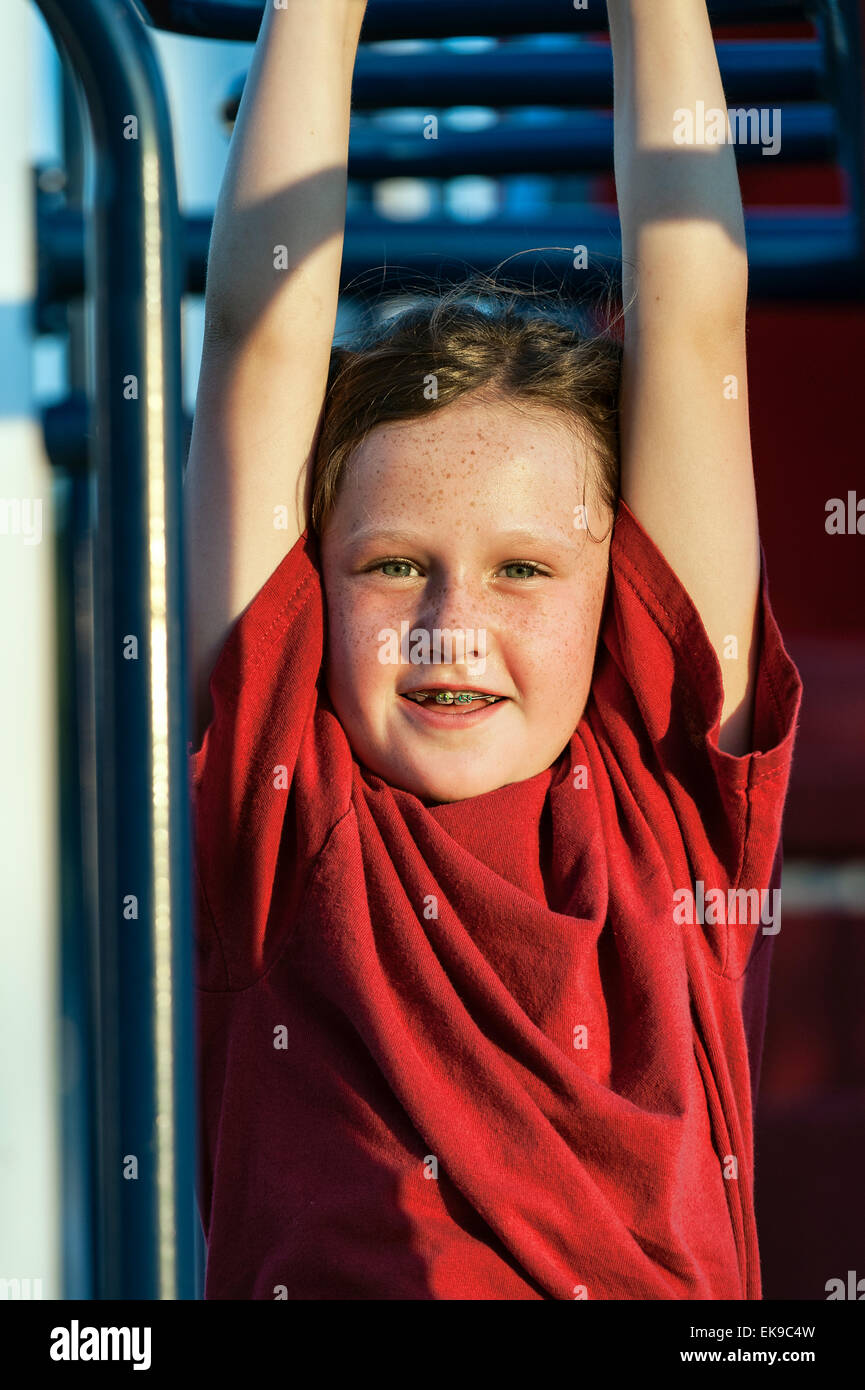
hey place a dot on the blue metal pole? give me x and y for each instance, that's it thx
(145, 1037)
(515, 74)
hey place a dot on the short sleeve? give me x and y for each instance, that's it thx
(263, 690)
(658, 690)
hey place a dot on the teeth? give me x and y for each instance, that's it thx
(450, 697)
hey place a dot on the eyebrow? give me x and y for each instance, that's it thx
(410, 539)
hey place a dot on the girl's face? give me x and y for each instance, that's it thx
(455, 557)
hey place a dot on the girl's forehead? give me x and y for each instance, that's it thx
(458, 504)
(472, 426)
(425, 460)
(462, 470)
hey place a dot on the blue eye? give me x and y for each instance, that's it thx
(406, 565)
(522, 565)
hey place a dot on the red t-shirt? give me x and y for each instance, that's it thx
(462, 1051)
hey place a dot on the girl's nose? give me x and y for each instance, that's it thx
(455, 616)
(453, 603)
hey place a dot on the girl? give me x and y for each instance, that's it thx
(493, 729)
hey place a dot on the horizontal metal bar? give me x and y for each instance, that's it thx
(790, 256)
(520, 75)
(811, 887)
(67, 426)
(809, 255)
(422, 19)
(580, 142)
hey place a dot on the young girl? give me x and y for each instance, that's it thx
(493, 728)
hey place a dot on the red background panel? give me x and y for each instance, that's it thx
(810, 1132)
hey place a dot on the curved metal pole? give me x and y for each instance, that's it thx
(146, 1081)
(421, 19)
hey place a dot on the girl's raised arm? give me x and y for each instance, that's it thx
(270, 313)
(687, 472)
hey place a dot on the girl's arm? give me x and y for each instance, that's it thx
(686, 453)
(270, 313)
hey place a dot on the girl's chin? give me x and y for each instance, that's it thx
(437, 771)
(435, 787)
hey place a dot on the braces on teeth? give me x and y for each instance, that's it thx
(450, 697)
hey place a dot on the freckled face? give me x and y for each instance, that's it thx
(463, 523)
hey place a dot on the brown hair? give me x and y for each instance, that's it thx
(508, 350)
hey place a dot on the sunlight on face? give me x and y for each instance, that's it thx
(463, 523)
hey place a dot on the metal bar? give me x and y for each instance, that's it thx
(802, 240)
(790, 256)
(146, 1082)
(520, 75)
(77, 776)
(812, 887)
(578, 142)
(60, 260)
(67, 427)
(841, 33)
(423, 19)
(78, 911)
